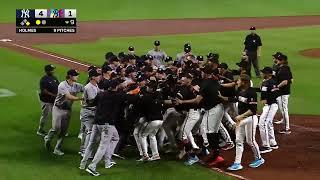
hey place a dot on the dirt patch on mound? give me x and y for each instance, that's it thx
(313, 53)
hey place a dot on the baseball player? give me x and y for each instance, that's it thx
(158, 55)
(213, 115)
(247, 121)
(87, 111)
(48, 92)
(109, 109)
(61, 111)
(186, 51)
(151, 110)
(187, 92)
(253, 46)
(284, 80)
(269, 94)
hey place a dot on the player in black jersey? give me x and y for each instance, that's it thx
(246, 123)
(269, 94)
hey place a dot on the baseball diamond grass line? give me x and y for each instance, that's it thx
(166, 9)
(22, 150)
(229, 45)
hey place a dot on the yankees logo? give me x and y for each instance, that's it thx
(25, 13)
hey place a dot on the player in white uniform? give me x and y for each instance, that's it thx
(158, 55)
(246, 123)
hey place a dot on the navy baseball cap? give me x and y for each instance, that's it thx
(150, 57)
(168, 59)
(157, 43)
(73, 72)
(200, 58)
(252, 28)
(49, 68)
(93, 73)
(267, 70)
(223, 65)
(213, 56)
(131, 48)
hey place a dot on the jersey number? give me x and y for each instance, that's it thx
(70, 13)
(41, 13)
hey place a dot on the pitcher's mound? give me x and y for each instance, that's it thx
(314, 53)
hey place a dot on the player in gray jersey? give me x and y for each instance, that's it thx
(158, 55)
(186, 51)
(87, 111)
(61, 111)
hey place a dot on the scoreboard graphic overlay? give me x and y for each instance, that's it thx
(46, 21)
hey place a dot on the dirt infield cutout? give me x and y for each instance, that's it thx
(313, 53)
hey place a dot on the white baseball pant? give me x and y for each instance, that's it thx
(266, 125)
(283, 102)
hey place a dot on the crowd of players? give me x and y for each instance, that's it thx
(190, 105)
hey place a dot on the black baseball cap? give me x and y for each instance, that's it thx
(267, 70)
(114, 83)
(150, 57)
(187, 49)
(49, 68)
(168, 59)
(156, 43)
(93, 73)
(73, 72)
(131, 48)
(187, 45)
(121, 54)
(223, 65)
(91, 67)
(275, 55)
(106, 69)
(108, 55)
(252, 28)
(200, 58)
(282, 57)
(213, 57)
(113, 58)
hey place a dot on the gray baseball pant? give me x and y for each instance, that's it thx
(108, 142)
(86, 118)
(171, 119)
(94, 136)
(60, 124)
(46, 109)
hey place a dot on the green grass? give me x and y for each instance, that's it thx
(22, 155)
(304, 100)
(166, 9)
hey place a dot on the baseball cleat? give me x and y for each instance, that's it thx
(41, 132)
(264, 149)
(279, 122)
(274, 147)
(92, 172)
(140, 160)
(108, 165)
(228, 146)
(113, 162)
(218, 161)
(47, 143)
(155, 158)
(82, 167)
(235, 167)
(58, 152)
(66, 135)
(256, 163)
(283, 131)
(191, 161)
(145, 159)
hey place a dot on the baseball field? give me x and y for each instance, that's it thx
(289, 26)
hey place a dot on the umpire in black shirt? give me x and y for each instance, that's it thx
(252, 45)
(48, 92)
